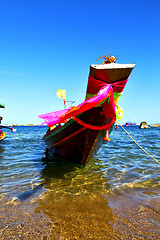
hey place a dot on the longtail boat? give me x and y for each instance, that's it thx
(75, 134)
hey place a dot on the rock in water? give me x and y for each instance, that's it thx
(143, 125)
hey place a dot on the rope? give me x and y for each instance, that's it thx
(106, 127)
(138, 144)
(8, 134)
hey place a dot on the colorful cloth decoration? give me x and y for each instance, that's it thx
(119, 113)
(105, 92)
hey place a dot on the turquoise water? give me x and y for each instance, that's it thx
(120, 167)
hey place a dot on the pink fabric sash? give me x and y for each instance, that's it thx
(60, 116)
(94, 85)
(104, 90)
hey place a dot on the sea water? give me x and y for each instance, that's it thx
(115, 196)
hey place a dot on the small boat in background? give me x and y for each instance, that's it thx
(3, 134)
(75, 134)
(130, 124)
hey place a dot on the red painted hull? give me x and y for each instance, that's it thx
(74, 142)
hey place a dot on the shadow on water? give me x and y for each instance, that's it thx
(55, 175)
(30, 193)
(65, 176)
(56, 168)
(50, 171)
(2, 149)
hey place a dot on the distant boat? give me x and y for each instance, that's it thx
(130, 124)
(75, 134)
(2, 135)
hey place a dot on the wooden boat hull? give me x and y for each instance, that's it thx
(112, 72)
(75, 142)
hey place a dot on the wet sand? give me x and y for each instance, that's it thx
(138, 213)
(133, 214)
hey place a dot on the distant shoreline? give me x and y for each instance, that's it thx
(34, 125)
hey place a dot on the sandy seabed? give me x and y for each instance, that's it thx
(117, 215)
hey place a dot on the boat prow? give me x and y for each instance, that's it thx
(111, 72)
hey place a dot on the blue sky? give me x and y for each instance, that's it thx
(47, 45)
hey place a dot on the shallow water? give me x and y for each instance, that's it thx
(116, 196)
